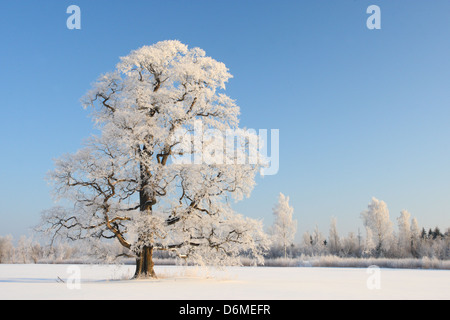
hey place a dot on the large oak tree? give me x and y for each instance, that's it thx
(126, 183)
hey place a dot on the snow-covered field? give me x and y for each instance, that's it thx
(191, 283)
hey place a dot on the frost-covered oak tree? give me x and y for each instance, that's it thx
(126, 184)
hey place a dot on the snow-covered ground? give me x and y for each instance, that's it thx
(191, 283)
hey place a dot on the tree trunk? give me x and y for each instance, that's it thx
(144, 260)
(145, 264)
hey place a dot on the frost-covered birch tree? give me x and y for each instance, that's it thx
(334, 241)
(404, 233)
(378, 227)
(284, 227)
(415, 237)
(6, 249)
(126, 183)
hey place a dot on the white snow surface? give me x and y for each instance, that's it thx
(40, 282)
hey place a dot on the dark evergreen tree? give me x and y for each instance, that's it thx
(423, 235)
(437, 233)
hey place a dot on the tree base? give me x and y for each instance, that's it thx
(144, 265)
(144, 276)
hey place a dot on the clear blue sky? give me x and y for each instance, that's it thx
(361, 112)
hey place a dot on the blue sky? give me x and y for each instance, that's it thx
(361, 112)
